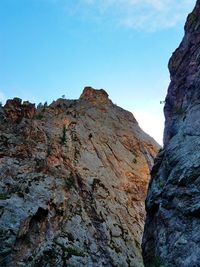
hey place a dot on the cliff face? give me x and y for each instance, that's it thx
(171, 236)
(73, 180)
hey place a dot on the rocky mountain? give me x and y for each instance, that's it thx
(171, 236)
(73, 179)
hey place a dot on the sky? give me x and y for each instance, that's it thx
(50, 48)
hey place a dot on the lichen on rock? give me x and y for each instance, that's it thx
(73, 178)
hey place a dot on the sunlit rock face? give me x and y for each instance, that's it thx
(73, 181)
(171, 236)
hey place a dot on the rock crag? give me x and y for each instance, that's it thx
(73, 181)
(171, 236)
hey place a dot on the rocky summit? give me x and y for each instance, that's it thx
(171, 236)
(73, 181)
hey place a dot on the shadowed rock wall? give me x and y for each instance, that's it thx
(171, 236)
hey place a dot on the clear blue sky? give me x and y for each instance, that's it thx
(53, 47)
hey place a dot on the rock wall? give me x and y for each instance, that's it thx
(171, 236)
(73, 179)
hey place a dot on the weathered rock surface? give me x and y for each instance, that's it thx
(171, 236)
(73, 180)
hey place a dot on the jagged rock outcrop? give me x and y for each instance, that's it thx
(73, 180)
(15, 110)
(171, 236)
